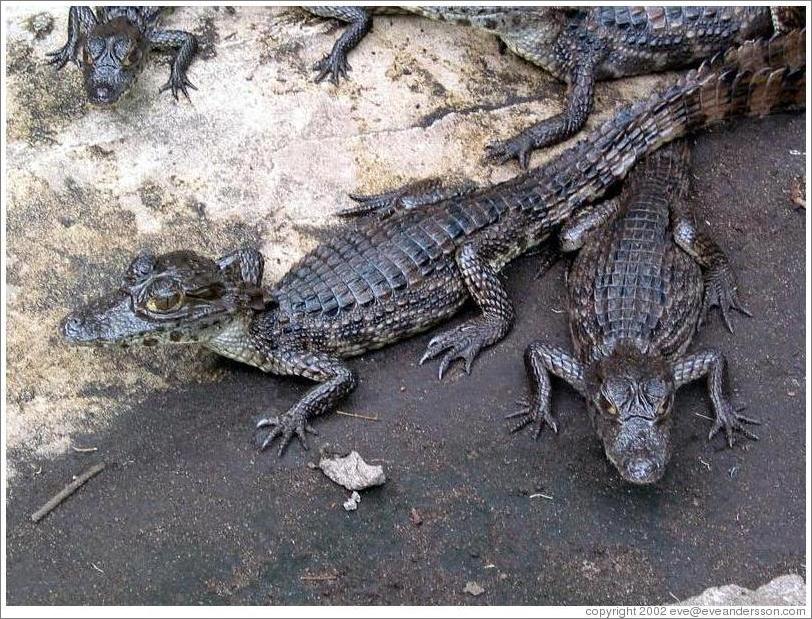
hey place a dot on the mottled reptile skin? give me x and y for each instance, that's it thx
(580, 46)
(112, 45)
(397, 276)
(636, 295)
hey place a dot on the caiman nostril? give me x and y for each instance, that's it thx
(104, 93)
(71, 326)
(642, 470)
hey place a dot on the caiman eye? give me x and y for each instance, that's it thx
(608, 406)
(664, 407)
(165, 303)
(164, 297)
(131, 58)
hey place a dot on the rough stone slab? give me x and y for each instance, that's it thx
(261, 155)
(787, 590)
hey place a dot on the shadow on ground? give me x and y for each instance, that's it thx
(189, 512)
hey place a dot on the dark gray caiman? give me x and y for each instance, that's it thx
(580, 46)
(112, 45)
(394, 277)
(636, 296)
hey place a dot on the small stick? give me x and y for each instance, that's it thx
(543, 496)
(66, 492)
(704, 416)
(368, 418)
(322, 577)
(84, 450)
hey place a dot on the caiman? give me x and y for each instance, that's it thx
(579, 46)
(112, 45)
(635, 295)
(393, 277)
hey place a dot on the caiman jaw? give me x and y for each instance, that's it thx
(176, 298)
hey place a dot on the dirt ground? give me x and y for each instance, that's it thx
(189, 512)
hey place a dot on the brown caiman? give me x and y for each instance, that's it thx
(112, 45)
(395, 277)
(636, 295)
(579, 46)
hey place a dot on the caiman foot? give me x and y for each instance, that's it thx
(60, 57)
(410, 196)
(519, 147)
(178, 82)
(463, 342)
(334, 65)
(381, 204)
(729, 420)
(532, 411)
(285, 427)
(720, 291)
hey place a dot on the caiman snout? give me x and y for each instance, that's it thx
(639, 448)
(72, 328)
(643, 471)
(102, 94)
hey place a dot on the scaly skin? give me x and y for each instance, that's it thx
(635, 299)
(394, 277)
(112, 45)
(580, 46)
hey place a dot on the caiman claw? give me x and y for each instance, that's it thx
(59, 58)
(729, 420)
(178, 82)
(502, 151)
(721, 292)
(531, 411)
(335, 65)
(290, 424)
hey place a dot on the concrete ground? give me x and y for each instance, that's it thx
(189, 512)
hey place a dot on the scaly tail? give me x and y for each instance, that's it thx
(757, 78)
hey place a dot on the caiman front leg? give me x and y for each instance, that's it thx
(541, 360)
(336, 380)
(551, 131)
(475, 260)
(721, 289)
(81, 20)
(184, 46)
(711, 363)
(412, 195)
(335, 64)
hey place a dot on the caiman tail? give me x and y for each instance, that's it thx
(755, 79)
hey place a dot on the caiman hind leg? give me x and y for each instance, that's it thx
(336, 380)
(81, 20)
(409, 196)
(475, 259)
(721, 289)
(184, 46)
(574, 232)
(711, 363)
(551, 131)
(335, 65)
(541, 360)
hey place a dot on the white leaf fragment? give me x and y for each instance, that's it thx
(352, 472)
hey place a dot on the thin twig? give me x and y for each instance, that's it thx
(368, 418)
(539, 494)
(68, 490)
(704, 416)
(84, 450)
(322, 577)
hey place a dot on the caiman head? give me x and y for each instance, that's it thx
(175, 298)
(113, 55)
(630, 396)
